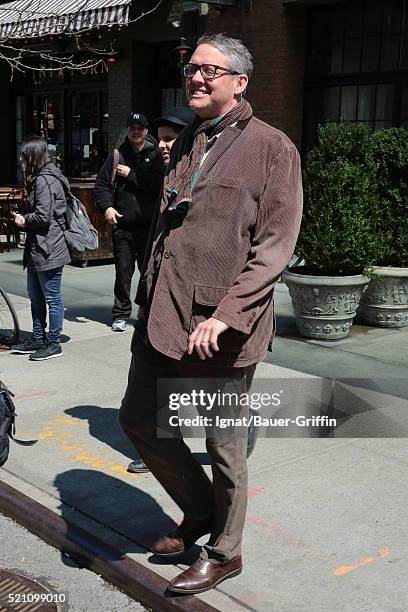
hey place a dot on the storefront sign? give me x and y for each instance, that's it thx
(89, 71)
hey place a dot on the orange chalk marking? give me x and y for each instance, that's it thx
(277, 530)
(20, 396)
(346, 569)
(254, 491)
(54, 432)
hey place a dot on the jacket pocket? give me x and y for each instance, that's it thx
(42, 244)
(230, 211)
(223, 193)
(205, 302)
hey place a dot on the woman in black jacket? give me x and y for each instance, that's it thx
(45, 252)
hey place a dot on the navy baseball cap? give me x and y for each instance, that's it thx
(137, 118)
(179, 116)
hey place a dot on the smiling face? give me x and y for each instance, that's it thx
(212, 98)
(167, 136)
(137, 135)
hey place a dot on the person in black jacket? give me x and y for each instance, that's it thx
(128, 203)
(169, 126)
(46, 251)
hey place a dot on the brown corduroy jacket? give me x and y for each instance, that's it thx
(224, 258)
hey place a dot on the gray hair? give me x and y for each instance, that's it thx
(239, 56)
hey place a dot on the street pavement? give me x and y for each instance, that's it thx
(326, 520)
(79, 589)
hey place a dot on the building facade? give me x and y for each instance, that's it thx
(318, 61)
(314, 60)
(82, 114)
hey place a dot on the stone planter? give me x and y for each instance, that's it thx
(324, 306)
(385, 303)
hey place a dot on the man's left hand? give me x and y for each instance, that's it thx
(204, 337)
(123, 170)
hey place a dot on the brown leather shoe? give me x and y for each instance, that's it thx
(180, 540)
(204, 575)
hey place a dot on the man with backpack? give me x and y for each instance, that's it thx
(126, 191)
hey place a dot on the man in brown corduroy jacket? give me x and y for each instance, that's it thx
(226, 228)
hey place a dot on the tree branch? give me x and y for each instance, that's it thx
(26, 52)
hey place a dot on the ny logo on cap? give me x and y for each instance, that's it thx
(136, 116)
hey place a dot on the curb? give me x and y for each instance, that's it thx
(131, 577)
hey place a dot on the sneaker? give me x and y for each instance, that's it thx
(119, 325)
(49, 352)
(29, 345)
(137, 467)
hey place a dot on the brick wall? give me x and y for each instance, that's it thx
(275, 35)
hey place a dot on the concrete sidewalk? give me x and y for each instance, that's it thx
(325, 525)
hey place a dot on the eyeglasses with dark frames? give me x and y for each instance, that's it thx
(208, 71)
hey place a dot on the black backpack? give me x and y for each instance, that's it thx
(7, 424)
(80, 234)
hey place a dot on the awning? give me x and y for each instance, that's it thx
(34, 18)
(313, 2)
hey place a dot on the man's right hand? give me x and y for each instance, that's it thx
(112, 216)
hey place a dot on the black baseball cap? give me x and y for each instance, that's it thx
(178, 116)
(137, 118)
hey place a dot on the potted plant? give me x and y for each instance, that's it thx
(338, 237)
(385, 302)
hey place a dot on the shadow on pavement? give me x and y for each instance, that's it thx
(17, 262)
(104, 426)
(92, 312)
(286, 326)
(92, 263)
(126, 509)
(27, 334)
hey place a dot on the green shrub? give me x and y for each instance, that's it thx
(340, 228)
(390, 150)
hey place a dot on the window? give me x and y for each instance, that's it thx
(70, 111)
(365, 36)
(357, 65)
(48, 118)
(370, 104)
(404, 108)
(75, 126)
(366, 103)
(85, 134)
(363, 103)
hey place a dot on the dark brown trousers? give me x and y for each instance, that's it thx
(170, 459)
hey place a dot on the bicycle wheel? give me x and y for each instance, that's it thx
(9, 327)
